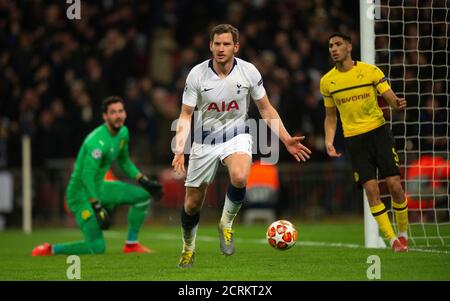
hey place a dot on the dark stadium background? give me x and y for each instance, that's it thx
(55, 72)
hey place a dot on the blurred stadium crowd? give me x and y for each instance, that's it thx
(55, 72)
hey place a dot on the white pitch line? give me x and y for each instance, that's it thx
(171, 236)
(429, 251)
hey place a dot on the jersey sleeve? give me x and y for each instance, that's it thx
(324, 90)
(124, 161)
(91, 164)
(191, 92)
(257, 90)
(380, 80)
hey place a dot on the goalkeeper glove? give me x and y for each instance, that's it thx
(152, 186)
(101, 214)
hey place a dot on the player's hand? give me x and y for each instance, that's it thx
(178, 164)
(298, 150)
(101, 214)
(401, 103)
(331, 151)
(152, 186)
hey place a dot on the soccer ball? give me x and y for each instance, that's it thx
(281, 235)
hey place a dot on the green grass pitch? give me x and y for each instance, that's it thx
(323, 252)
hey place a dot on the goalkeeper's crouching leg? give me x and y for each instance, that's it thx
(97, 246)
(70, 248)
(93, 243)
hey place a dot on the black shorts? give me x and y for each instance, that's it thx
(372, 150)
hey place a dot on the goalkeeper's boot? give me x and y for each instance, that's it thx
(186, 260)
(42, 250)
(226, 240)
(136, 248)
(398, 247)
(404, 241)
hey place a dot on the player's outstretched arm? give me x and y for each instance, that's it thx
(183, 128)
(273, 120)
(393, 100)
(296, 149)
(178, 164)
(330, 131)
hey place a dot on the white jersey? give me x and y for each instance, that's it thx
(222, 103)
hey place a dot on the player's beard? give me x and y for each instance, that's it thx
(116, 125)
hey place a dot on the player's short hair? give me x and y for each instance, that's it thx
(341, 35)
(109, 101)
(225, 28)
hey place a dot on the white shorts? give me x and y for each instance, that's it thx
(204, 159)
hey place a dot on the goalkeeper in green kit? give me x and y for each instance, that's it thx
(90, 198)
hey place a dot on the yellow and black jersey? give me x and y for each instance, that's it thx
(354, 93)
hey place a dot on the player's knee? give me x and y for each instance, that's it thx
(396, 190)
(98, 246)
(192, 208)
(372, 193)
(239, 178)
(143, 195)
(193, 202)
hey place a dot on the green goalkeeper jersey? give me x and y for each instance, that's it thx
(98, 151)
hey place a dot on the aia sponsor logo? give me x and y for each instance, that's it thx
(223, 106)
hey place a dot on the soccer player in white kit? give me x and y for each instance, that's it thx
(221, 89)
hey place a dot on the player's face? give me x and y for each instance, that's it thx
(339, 49)
(115, 116)
(223, 48)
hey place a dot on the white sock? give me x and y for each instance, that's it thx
(229, 212)
(189, 239)
(404, 234)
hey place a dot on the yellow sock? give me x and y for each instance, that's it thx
(401, 215)
(381, 216)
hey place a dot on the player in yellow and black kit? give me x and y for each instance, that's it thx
(352, 88)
